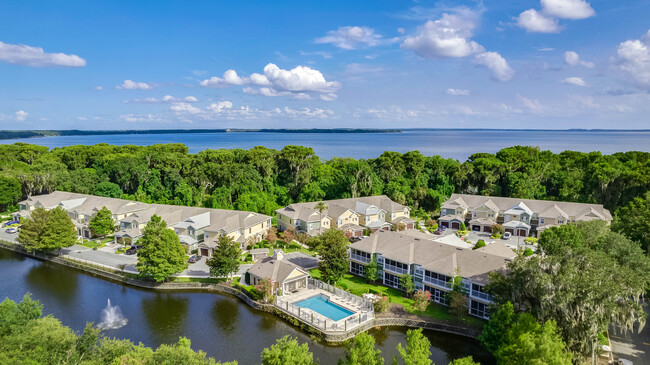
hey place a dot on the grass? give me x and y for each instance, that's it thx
(92, 244)
(358, 286)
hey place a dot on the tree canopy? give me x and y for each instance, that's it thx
(333, 248)
(287, 350)
(162, 254)
(102, 223)
(225, 257)
(47, 230)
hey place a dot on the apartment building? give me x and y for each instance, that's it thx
(197, 228)
(352, 216)
(520, 217)
(432, 264)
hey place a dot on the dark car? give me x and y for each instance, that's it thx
(194, 258)
(132, 250)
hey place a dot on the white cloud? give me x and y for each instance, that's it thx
(164, 100)
(577, 81)
(448, 36)
(99, 88)
(298, 82)
(571, 58)
(21, 115)
(140, 118)
(218, 107)
(24, 55)
(633, 60)
(132, 85)
(353, 37)
(499, 67)
(226, 110)
(184, 108)
(536, 22)
(457, 92)
(568, 9)
(532, 104)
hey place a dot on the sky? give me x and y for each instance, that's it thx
(543, 64)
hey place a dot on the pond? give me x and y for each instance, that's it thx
(221, 325)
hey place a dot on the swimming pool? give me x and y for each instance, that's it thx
(321, 304)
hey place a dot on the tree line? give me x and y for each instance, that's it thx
(262, 179)
(28, 337)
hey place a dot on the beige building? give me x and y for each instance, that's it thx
(432, 263)
(521, 217)
(352, 215)
(284, 275)
(197, 228)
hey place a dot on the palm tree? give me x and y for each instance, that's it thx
(320, 207)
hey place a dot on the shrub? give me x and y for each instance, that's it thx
(120, 250)
(531, 240)
(382, 304)
(463, 227)
(462, 233)
(479, 244)
(528, 252)
(496, 235)
(430, 222)
(497, 229)
(421, 300)
(250, 247)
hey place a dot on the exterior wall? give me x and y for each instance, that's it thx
(345, 218)
(295, 274)
(285, 222)
(399, 213)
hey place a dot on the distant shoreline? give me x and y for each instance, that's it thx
(24, 134)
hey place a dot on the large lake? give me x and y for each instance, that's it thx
(221, 325)
(457, 144)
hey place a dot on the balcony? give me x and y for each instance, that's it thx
(437, 282)
(481, 295)
(395, 269)
(354, 256)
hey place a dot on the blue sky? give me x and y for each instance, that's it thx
(304, 64)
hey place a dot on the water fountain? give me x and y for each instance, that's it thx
(112, 318)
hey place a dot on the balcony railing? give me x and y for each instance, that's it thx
(395, 269)
(481, 295)
(437, 282)
(359, 258)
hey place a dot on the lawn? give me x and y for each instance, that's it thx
(358, 286)
(92, 244)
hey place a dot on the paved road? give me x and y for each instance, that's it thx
(632, 346)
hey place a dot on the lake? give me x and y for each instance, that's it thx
(221, 325)
(456, 144)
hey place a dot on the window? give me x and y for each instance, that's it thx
(443, 212)
(560, 221)
(354, 219)
(437, 295)
(397, 264)
(392, 280)
(207, 235)
(474, 214)
(541, 221)
(479, 309)
(356, 268)
(490, 215)
(507, 217)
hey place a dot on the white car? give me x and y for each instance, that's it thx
(506, 236)
(11, 230)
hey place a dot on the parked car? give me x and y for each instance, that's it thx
(194, 258)
(506, 236)
(133, 250)
(11, 230)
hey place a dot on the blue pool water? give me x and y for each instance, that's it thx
(320, 303)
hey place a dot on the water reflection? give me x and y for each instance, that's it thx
(226, 314)
(166, 316)
(6, 255)
(58, 284)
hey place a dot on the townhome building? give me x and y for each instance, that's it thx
(432, 264)
(197, 228)
(352, 216)
(521, 217)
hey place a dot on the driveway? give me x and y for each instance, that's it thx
(634, 347)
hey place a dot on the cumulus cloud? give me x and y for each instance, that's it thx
(456, 92)
(298, 82)
(499, 67)
(577, 81)
(353, 37)
(99, 88)
(532, 104)
(225, 109)
(546, 20)
(633, 60)
(132, 85)
(132, 118)
(21, 115)
(165, 99)
(571, 58)
(568, 9)
(446, 37)
(185, 108)
(534, 21)
(24, 55)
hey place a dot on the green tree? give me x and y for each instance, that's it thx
(320, 207)
(334, 254)
(162, 254)
(418, 348)
(59, 231)
(500, 321)
(102, 223)
(108, 189)
(361, 350)
(32, 229)
(528, 342)
(10, 192)
(225, 257)
(286, 350)
(407, 283)
(457, 297)
(464, 361)
(371, 271)
(421, 300)
(633, 221)
(479, 244)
